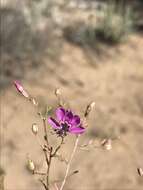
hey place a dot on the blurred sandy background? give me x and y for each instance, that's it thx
(37, 51)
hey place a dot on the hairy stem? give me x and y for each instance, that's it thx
(69, 163)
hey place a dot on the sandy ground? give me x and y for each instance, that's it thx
(115, 82)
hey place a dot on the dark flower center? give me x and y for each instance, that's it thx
(64, 129)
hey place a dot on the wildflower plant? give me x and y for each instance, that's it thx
(63, 124)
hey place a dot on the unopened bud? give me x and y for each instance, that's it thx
(107, 144)
(57, 92)
(89, 109)
(20, 89)
(59, 96)
(34, 128)
(140, 171)
(31, 165)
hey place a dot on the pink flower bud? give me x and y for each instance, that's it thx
(20, 88)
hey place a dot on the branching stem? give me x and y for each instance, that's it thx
(56, 150)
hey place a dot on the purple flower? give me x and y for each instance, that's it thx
(66, 122)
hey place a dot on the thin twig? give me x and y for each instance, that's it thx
(70, 175)
(46, 157)
(69, 163)
(43, 184)
(56, 187)
(56, 150)
(46, 138)
(49, 165)
(39, 173)
(51, 155)
(43, 149)
(45, 131)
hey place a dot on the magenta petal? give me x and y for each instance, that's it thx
(68, 117)
(60, 113)
(76, 120)
(53, 123)
(77, 130)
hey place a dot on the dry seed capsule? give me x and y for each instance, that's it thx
(57, 92)
(34, 128)
(31, 165)
(89, 109)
